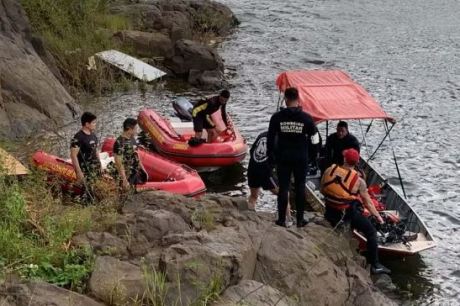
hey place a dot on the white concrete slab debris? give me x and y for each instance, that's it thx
(131, 65)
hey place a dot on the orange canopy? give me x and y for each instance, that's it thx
(331, 95)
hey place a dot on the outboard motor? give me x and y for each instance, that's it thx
(183, 108)
(393, 230)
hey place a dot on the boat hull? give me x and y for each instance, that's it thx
(163, 174)
(171, 140)
(393, 202)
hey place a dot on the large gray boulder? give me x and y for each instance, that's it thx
(102, 243)
(181, 19)
(250, 292)
(147, 44)
(42, 294)
(294, 264)
(146, 228)
(200, 64)
(220, 258)
(116, 282)
(31, 97)
(192, 55)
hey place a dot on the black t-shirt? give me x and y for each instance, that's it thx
(258, 158)
(292, 126)
(87, 154)
(208, 107)
(127, 149)
(335, 147)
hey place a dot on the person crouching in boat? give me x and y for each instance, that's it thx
(201, 115)
(341, 187)
(129, 169)
(260, 174)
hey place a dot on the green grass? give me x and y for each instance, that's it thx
(156, 287)
(204, 218)
(73, 30)
(36, 229)
(210, 292)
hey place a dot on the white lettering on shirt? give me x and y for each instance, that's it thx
(291, 127)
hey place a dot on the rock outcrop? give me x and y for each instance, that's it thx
(41, 294)
(215, 246)
(175, 31)
(171, 250)
(249, 292)
(31, 97)
(116, 282)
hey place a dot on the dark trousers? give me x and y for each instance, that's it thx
(353, 214)
(284, 171)
(91, 174)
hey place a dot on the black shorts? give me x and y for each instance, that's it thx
(201, 122)
(261, 179)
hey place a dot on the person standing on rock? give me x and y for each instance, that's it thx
(201, 115)
(260, 173)
(84, 154)
(129, 169)
(345, 192)
(291, 126)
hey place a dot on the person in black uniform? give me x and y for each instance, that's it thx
(202, 120)
(84, 154)
(292, 126)
(337, 142)
(260, 172)
(129, 169)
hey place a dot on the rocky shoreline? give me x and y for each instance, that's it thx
(165, 249)
(171, 250)
(176, 36)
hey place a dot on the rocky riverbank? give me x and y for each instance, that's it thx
(31, 97)
(178, 36)
(171, 250)
(35, 79)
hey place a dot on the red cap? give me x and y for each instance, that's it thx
(351, 156)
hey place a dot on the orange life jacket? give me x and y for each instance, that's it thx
(338, 185)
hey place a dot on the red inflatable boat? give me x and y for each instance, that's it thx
(171, 140)
(163, 174)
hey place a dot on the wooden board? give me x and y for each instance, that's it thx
(11, 165)
(131, 65)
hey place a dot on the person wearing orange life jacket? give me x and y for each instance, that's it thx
(344, 190)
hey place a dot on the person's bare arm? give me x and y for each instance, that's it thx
(367, 200)
(76, 165)
(121, 170)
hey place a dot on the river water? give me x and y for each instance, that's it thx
(406, 54)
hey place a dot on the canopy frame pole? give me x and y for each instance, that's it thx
(327, 129)
(364, 137)
(369, 126)
(395, 160)
(278, 106)
(381, 142)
